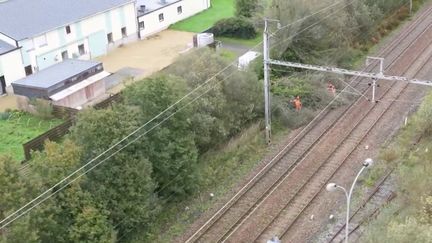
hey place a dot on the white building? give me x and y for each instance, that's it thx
(157, 15)
(37, 34)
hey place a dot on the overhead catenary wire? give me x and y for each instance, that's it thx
(16, 214)
(55, 189)
(312, 25)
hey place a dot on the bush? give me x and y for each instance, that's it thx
(237, 27)
(43, 108)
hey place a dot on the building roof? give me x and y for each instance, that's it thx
(152, 5)
(6, 47)
(22, 19)
(56, 74)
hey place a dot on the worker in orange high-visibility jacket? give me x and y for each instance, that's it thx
(331, 88)
(297, 103)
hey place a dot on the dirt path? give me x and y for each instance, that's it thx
(150, 55)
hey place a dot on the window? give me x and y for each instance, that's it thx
(161, 17)
(110, 38)
(65, 55)
(179, 10)
(81, 49)
(28, 70)
(124, 32)
(68, 29)
(40, 41)
(141, 25)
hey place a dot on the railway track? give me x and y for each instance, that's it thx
(292, 158)
(298, 189)
(369, 208)
(375, 200)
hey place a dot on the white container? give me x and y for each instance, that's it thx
(205, 39)
(246, 59)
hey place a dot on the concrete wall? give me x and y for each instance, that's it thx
(11, 66)
(151, 21)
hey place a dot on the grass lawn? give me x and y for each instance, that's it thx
(219, 9)
(249, 43)
(20, 128)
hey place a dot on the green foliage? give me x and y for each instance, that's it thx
(246, 8)
(19, 128)
(409, 219)
(228, 107)
(14, 191)
(61, 219)
(238, 27)
(43, 108)
(129, 193)
(171, 147)
(323, 40)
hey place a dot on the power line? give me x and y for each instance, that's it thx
(312, 25)
(15, 215)
(305, 17)
(12, 216)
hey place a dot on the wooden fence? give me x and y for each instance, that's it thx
(63, 112)
(109, 101)
(61, 130)
(54, 134)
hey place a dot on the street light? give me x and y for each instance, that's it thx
(333, 186)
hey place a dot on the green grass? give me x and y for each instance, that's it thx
(248, 43)
(220, 9)
(19, 129)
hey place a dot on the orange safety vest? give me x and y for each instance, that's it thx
(297, 104)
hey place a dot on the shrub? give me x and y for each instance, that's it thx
(246, 8)
(237, 27)
(43, 108)
(4, 115)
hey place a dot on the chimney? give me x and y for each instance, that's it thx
(142, 8)
(163, 1)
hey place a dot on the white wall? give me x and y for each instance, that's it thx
(45, 50)
(7, 39)
(171, 16)
(12, 66)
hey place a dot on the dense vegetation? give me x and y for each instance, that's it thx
(168, 161)
(409, 217)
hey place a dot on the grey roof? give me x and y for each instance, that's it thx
(6, 47)
(56, 73)
(22, 19)
(152, 5)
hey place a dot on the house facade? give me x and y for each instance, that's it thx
(157, 15)
(40, 33)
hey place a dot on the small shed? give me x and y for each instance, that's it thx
(70, 83)
(245, 59)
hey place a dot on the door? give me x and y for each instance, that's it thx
(2, 85)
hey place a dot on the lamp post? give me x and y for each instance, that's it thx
(333, 186)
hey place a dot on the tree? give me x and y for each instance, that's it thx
(60, 219)
(246, 8)
(123, 184)
(170, 146)
(233, 98)
(14, 191)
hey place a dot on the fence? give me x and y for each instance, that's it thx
(53, 135)
(59, 131)
(62, 112)
(109, 101)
